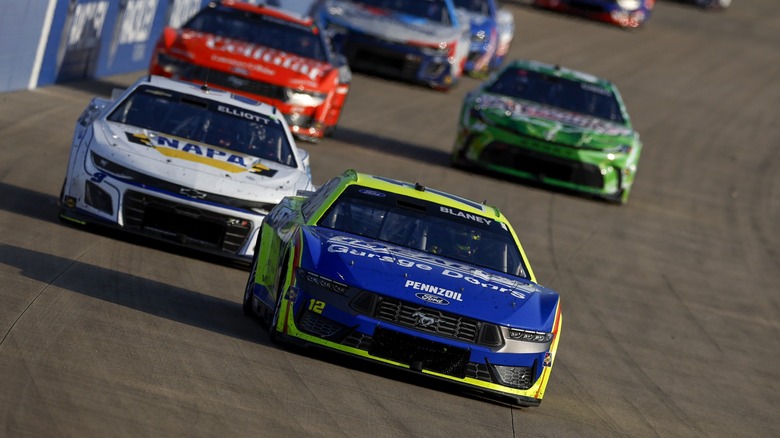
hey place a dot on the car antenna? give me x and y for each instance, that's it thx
(419, 187)
(205, 86)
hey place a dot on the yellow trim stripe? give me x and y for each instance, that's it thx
(175, 153)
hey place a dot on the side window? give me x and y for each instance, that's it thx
(311, 205)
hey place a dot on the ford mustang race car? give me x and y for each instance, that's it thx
(492, 31)
(182, 163)
(410, 277)
(269, 54)
(422, 41)
(553, 125)
(624, 13)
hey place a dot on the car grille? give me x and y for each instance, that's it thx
(318, 325)
(444, 324)
(543, 165)
(474, 370)
(475, 55)
(419, 353)
(370, 55)
(184, 224)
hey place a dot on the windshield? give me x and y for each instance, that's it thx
(432, 10)
(261, 30)
(425, 226)
(480, 7)
(580, 97)
(206, 121)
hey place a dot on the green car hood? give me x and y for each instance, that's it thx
(552, 124)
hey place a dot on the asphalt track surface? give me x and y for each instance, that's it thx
(671, 309)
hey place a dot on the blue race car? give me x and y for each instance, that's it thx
(410, 277)
(492, 31)
(623, 13)
(422, 41)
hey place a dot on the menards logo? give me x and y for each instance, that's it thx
(200, 153)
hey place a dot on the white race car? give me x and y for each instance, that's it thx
(182, 163)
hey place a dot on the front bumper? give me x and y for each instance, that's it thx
(595, 172)
(350, 324)
(168, 213)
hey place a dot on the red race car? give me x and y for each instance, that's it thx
(269, 54)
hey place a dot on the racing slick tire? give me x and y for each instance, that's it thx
(250, 284)
(246, 305)
(273, 335)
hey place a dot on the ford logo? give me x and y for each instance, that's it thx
(433, 299)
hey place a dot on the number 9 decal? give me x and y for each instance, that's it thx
(98, 177)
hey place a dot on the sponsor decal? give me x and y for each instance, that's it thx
(79, 47)
(469, 216)
(192, 193)
(433, 299)
(181, 11)
(133, 25)
(267, 55)
(411, 259)
(370, 192)
(524, 111)
(434, 290)
(547, 359)
(200, 153)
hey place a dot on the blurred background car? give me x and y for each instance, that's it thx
(182, 163)
(270, 54)
(552, 125)
(421, 41)
(624, 13)
(492, 32)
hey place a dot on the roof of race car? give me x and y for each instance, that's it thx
(417, 190)
(209, 93)
(557, 70)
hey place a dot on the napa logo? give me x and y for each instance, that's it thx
(200, 153)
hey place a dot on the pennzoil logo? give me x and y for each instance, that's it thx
(200, 153)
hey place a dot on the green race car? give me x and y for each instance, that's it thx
(554, 125)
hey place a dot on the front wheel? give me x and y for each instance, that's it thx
(249, 290)
(273, 335)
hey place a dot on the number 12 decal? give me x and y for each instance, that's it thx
(316, 306)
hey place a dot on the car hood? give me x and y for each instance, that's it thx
(551, 124)
(477, 21)
(390, 25)
(428, 280)
(246, 59)
(149, 158)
